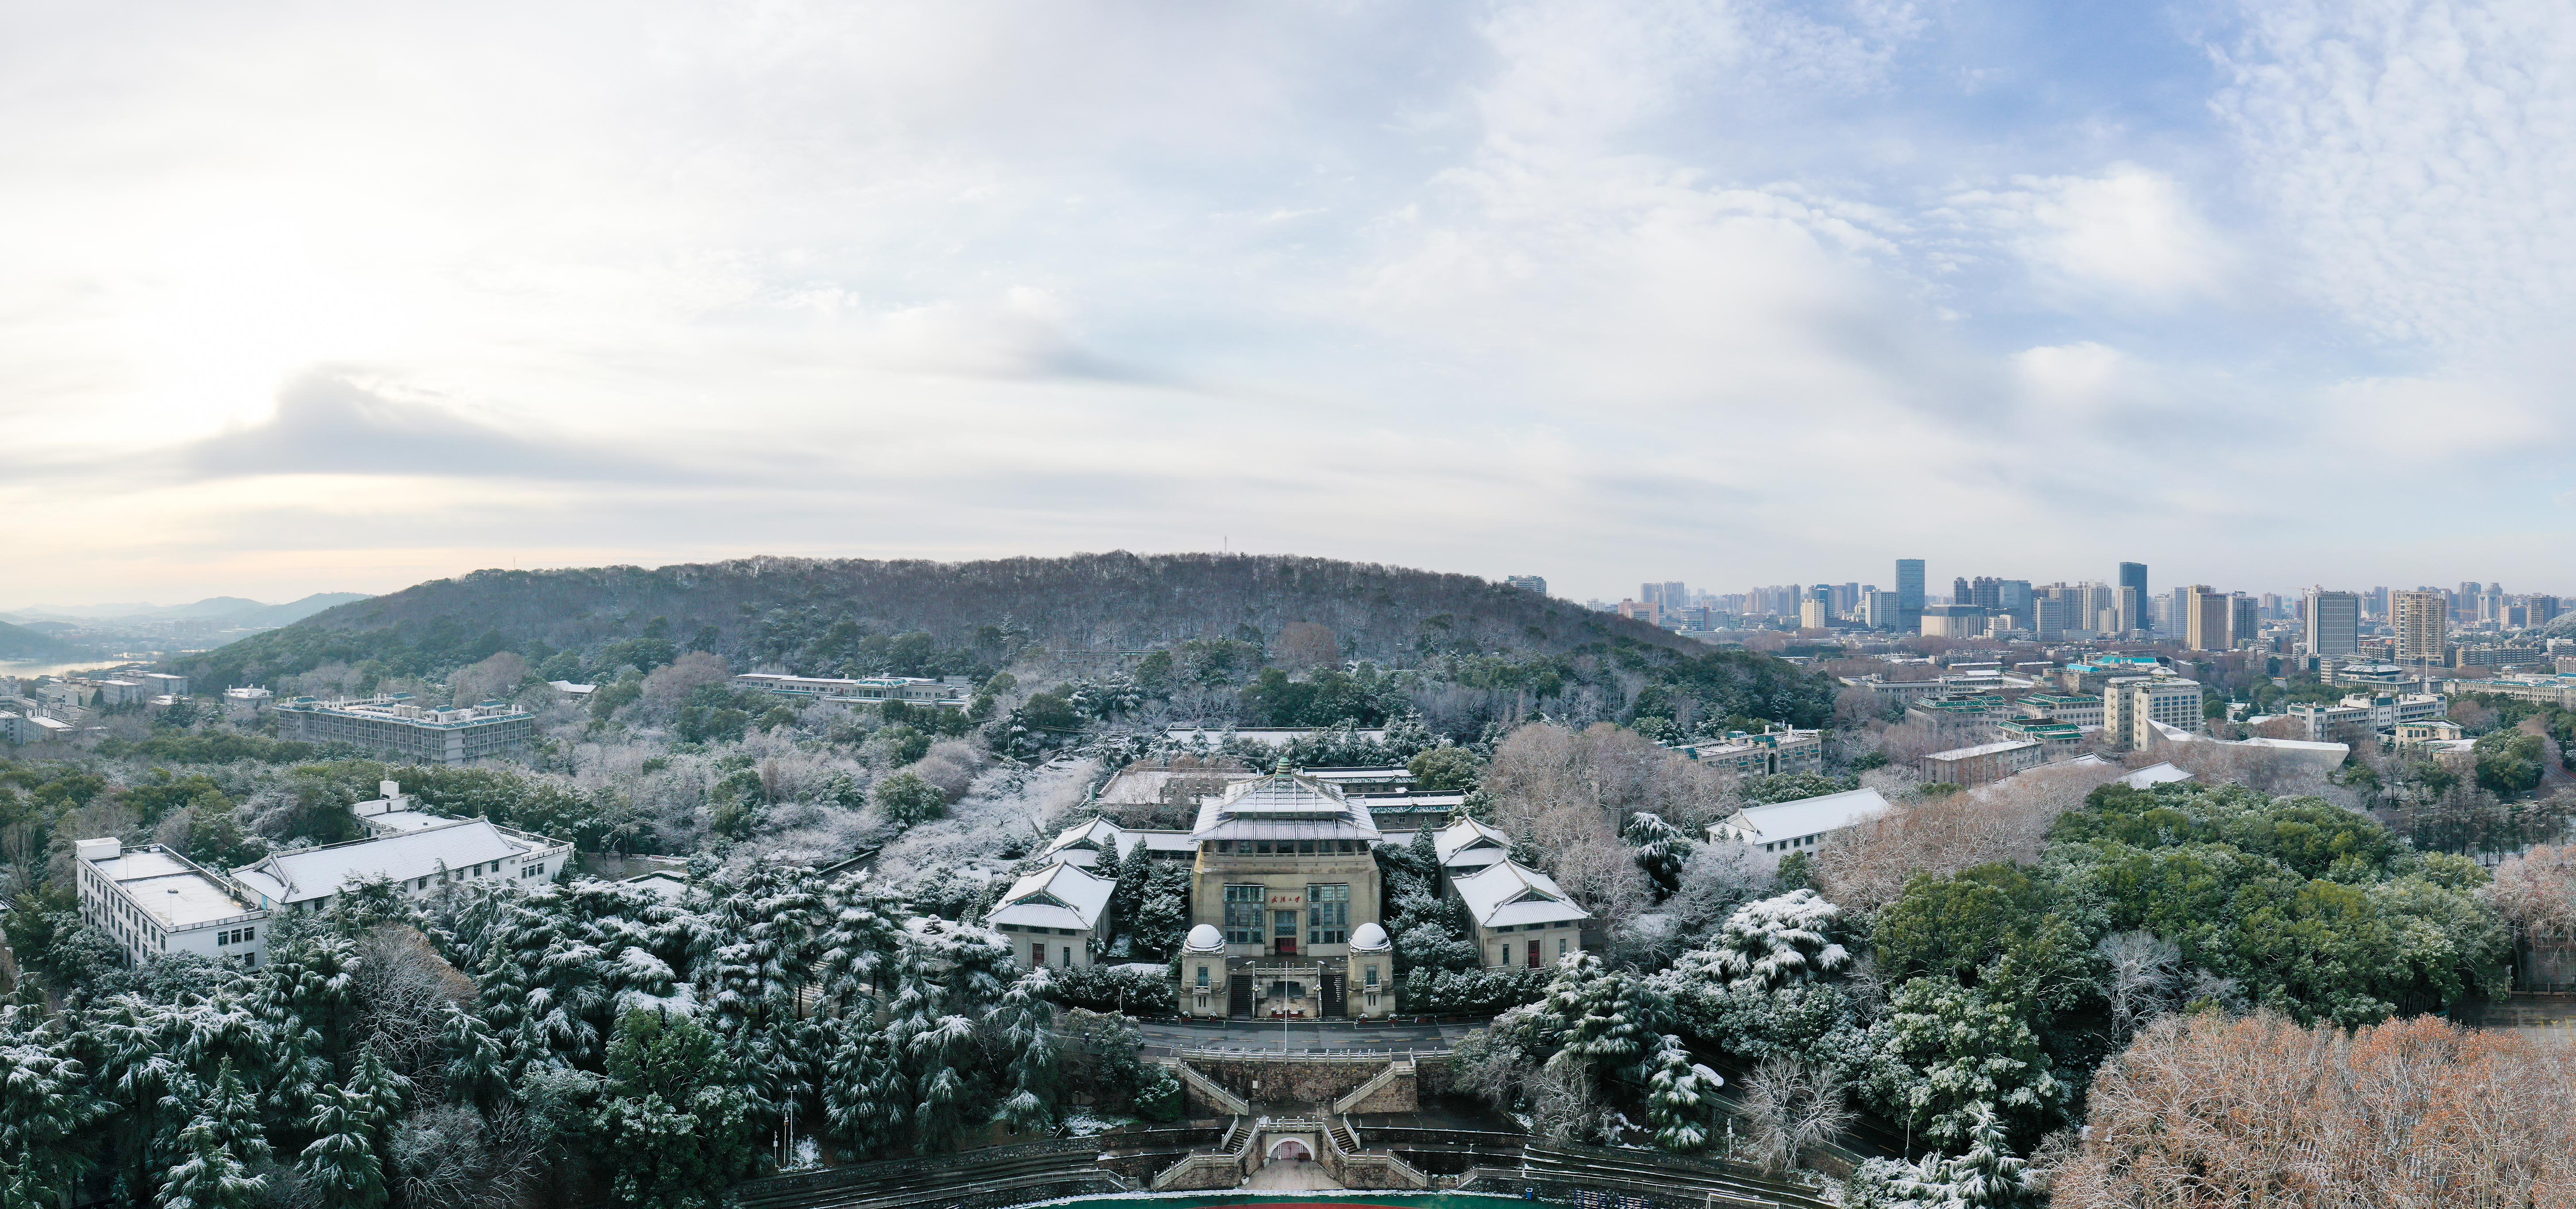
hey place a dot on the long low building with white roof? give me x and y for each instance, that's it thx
(415, 861)
(1784, 827)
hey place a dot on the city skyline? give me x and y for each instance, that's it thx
(1754, 287)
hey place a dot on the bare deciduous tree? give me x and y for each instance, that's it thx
(1304, 646)
(2139, 969)
(498, 676)
(1794, 1106)
(667, 687)
(1866, 866)
(2207, 1110)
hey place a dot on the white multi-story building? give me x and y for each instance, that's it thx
(869, 690)
(2131, 705)
(395, 727)
(153, 902)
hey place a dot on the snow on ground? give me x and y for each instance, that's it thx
(1005, 803)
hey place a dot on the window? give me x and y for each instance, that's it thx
(1328, 914)
(1372, 976)
(1243, 914)
(1560, 946)
(1203, 977)
(1287, 990)
(1068, 955)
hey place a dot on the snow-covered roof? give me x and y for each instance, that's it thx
(1806, 816)
(1058, 896)
(290, 877)
(1283, 806)
(1205, 938)
(2154, 775)
(1509, 892)
(668, 885)
(1982, 749)
(404, 820)
(1084, 843)
(570, 689)
(1468, 844)
(173, 891)
(1368, 938)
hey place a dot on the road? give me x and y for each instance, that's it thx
(1299, 1037)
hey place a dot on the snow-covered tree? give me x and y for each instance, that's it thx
(209, 1175)
(1601, 1022)
(343, 1165)
(1662, 849)
(1768, 943)
(1943, 1051)
(1027, 1027)
(477, 1064)
(45, 1112)
(1681, 1096)
(865, 1098)
(1986, 1175)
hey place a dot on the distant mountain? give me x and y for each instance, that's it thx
(785, 610)
(19, 642)
(235, 609)
(297, 610)
(211, 607)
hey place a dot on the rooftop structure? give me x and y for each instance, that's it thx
(1517, 915)
(1467, 845)
(1771, 752)
(394, 726)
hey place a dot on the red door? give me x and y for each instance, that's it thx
(1534, 955)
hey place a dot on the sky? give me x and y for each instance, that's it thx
(305, 297)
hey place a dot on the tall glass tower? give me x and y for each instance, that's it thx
(1909, 595)
(2134, 575)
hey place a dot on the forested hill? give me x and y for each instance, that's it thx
(19, 642)
(817, 614)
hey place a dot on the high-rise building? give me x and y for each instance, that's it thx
(2539, 610)
(2376, 603)
(2244, 620)
(1909, 595)
(2134, 575)
(1817, 611)
(2132, 612)
(1960, 592)
(1879, 611)
(2334, 622)
(2491, 605)
(1528, 583)
(2052, 616)
(2205, 616)
(2422, 621)
(2013, 597)
(1667, 596)
(1846, 599)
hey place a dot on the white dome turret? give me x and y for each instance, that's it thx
(1370, 938)
(1205, 938)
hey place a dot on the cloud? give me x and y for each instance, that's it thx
(2420, 155)
(332, 423)
(2129, 233)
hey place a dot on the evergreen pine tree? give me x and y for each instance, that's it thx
(342, 1165)
(863, 1096)
(44, 1113)
(210, 1175)
(1680, 1096)
(478, 1068)
(1027, 1023)
(233, 1114)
